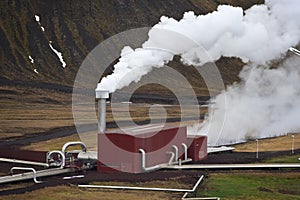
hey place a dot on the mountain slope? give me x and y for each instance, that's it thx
(75, 28)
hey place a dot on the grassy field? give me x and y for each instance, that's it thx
(284, 159)
(74, 192)
(252, 185)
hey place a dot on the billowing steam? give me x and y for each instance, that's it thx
(265, 102)
(260, 34)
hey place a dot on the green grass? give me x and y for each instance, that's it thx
(251, 186)
(284, 159)
(64, 192)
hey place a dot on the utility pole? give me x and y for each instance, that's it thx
(256, 148)
(293, 143)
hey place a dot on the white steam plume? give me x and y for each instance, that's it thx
(260, 34)
(266, 102)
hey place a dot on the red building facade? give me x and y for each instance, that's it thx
(120, 150)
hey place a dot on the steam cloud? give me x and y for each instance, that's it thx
(265, 102)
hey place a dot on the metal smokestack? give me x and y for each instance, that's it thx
(101, 96)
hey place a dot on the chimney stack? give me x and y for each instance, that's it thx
(101, 96)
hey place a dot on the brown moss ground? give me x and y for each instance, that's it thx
(282, 143)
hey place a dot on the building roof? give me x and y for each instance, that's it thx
(142, 129)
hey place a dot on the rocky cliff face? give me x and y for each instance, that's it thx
(28, 28)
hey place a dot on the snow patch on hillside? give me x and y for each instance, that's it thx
(59, 55)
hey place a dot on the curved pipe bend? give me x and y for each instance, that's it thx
(144, 168)
(176, 152)
(185, 149)
(63, 162)
(64, 148)
(26, 169)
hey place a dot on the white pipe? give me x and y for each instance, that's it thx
(171, 161)
(133, 188)
(185, 194)
(176, 152)
(198, 198)
(197, 183)
(235, 166)
(83, 146)
(201, 198)
(144, 188)
(144, 168)
(73, 177)
(185, 148)
(23, 162)
(27, 169)
(156, 167)
(63, 161)
(186, 159)
(29, 175)
(295, 51)
(179, 162)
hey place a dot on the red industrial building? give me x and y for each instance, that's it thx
(144, 148)
(148, 148)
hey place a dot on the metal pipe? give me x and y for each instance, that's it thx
(198, 198)
(235, 166)
(171, 161)
(295, 51)
(143, 158)
(185, 194)
(179, 162)
(144, 188)
(102, 115)
(185, 150)
(83, 146)
(176, 152)
(134, 188)
(197, 183)
(201, 198)
(24, 162)
(144, 168)
(63, 161)
(155, 167)
(186, 159)
(101, 96)
(73, 177)
(26, 169)
(40, 173)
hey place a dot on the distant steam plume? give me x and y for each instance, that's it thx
(265, 102)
